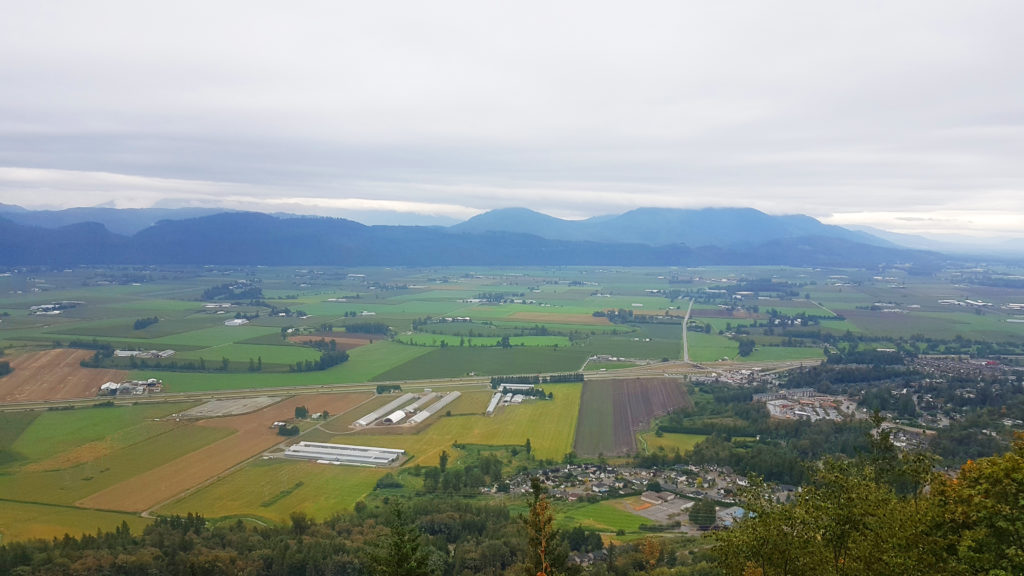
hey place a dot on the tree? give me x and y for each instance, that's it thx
(702, 513)
(528, 447)
(540, 530)
(400, 551)
(746, 346)
(301, 412)
(443, 461)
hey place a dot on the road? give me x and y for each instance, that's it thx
(686, 320)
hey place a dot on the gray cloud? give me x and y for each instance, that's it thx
(851, 111)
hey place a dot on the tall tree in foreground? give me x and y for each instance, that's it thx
(400, 552)
(540, 529)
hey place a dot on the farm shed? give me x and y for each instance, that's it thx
(395, 417)
(386, 409)
(435, 407)
(344, 454)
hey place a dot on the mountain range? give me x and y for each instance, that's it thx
(514, 236)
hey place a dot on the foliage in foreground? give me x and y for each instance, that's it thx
(886, 515)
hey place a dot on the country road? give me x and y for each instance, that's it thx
(686, 320)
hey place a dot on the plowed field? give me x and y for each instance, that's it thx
(54, 375)
(253, 435)
(612, 411)
(346, 342)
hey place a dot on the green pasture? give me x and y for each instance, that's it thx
(364, 364)
(603, 516)
(436, 340)
(668, 442)
(710, 347)
(455, 361)
(23, 521)
(549, 424)
(780, 353)
(267, 490)
(243, 352)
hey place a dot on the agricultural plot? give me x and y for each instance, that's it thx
(270, 490)
(604, 516)
(248, 435)
(23, 521)
(669, 442)
(54, 375)
(629, 405)
(455, 361)
(549, 424)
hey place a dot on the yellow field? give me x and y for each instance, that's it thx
(266, 489)
(22, 521)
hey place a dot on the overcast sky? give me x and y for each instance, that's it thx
(904, 115)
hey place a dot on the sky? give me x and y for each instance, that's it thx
(907, 116)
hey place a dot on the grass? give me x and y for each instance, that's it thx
(457, 361)
(284, 486)
(549, 424)
(669, 442)
(604, 516)
(710, 347)
(93, 467)
(365, 363)
(426, 339)
(22, 521)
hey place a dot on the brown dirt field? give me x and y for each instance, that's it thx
(254, 436)
(347, 342)
(54, 375)
(703, 313)
(633, 404)
(542, 317)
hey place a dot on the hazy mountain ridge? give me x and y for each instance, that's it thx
(728, 227)
(254, 238)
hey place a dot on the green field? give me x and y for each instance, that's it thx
(266, 490)
(604, 516)
(669, 442)
(454, 362)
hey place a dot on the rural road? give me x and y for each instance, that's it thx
(686, 320)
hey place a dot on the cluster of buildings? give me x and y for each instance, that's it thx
(409, 406)
(131, 387)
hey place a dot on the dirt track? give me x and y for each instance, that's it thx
(253, 436)
(54, 375)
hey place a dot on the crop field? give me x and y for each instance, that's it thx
(54, 375)
(23, 521)
(457, 361)
(629, 406)
(269, 490)
(250, 434)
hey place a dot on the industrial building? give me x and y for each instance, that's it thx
(325, 453)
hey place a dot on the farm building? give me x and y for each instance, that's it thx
(236, 322)
(435, 407)
(344, 454)
(494, 403)
(395, 417)
(415, 406)
(517, 387)
(386, 409)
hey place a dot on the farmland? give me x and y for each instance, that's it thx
(58, 467)
(628, 405)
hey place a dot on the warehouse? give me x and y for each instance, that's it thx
(494, 403)
(344, 454)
